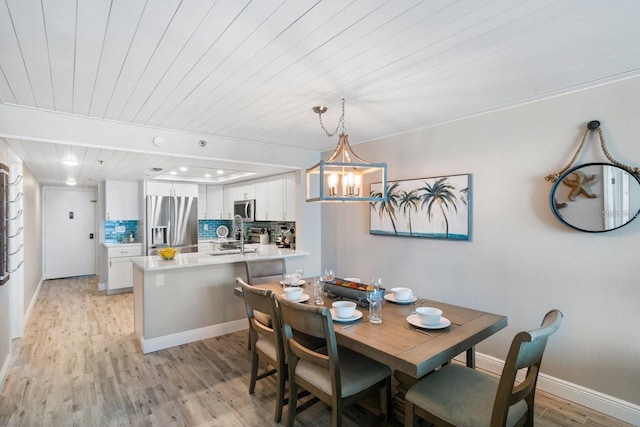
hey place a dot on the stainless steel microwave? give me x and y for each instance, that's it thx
(246, 209)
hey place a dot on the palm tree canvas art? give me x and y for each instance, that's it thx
(438, 207)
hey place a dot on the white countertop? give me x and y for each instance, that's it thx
(199, 259)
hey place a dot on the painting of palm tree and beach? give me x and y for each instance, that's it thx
(437, 207)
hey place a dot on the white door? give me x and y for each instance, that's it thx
(69, 232)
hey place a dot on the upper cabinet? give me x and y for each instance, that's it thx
(289, 182)
(122, 200)
(210, 202)
(245, 190)
(166, 188)
(276, 198)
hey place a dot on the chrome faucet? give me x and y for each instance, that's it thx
(238, 224)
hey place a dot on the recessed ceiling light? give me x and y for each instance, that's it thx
(71, 181)
(207, 175)
(173, 173)
(183, 169)
(220, 171)
(70, 162)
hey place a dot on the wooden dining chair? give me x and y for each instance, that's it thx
(266, 342)
(336, 375)
(455, 395)
(261, 271)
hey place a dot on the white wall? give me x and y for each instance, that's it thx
(32, 203)
(5, 336)
(521, 261)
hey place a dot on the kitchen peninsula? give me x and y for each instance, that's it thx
(190, 298)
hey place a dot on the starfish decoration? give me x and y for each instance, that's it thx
(580, 184)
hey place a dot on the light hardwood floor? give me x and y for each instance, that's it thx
(79, 364)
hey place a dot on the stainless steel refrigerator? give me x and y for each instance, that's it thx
(172, 221)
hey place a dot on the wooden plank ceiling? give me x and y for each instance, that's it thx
(252, 70)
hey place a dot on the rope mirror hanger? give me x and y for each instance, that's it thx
(595, 197)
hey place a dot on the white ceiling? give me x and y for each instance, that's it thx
(252, 70)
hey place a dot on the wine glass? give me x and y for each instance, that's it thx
(415, 302)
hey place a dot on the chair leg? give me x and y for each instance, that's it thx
(336, 413)
(408, 414)
(293, 400)
(388, 410)
(254, 371)
(280, 393)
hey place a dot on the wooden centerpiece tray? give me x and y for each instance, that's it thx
(347, 289)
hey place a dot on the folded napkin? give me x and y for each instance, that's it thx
(352, 285)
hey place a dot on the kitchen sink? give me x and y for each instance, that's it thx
(232, 252)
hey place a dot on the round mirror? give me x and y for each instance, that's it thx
(596, 197)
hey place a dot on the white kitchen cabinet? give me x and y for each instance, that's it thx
(246, 190)
(290, 196)
(229, 196)
(210, 202)
(275, 197)
(202, 202)
(215, 204)
(120, 267)
(122, 200)
(262, 200)
(167, 188)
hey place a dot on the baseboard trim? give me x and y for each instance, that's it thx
(32, 303)
(609, 405)
(4, 371)
(173, 340)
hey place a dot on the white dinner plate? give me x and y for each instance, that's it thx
(415, 321)
(303, 298)
(300, 282)
(356, 315)
(222, 231)
(390, 297)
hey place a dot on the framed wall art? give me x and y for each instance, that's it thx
(437, 208)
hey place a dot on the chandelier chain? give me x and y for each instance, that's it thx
(341, 127)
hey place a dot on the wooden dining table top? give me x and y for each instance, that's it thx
(401, 346)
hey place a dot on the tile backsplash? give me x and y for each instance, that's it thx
(119, 231)
(212, 224)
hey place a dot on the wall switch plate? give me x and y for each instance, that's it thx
(120, 228)
(160, 280)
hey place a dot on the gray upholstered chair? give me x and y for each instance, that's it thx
(455, 395)
(266, 341)
(336, 375)
(262, 271)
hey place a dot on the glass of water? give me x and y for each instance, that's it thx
(318, 291)
(375, 305)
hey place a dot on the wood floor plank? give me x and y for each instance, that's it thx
(79, 364)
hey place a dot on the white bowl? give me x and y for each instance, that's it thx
(429, 315)
(401, 294)
(344, 309)
(293, 293)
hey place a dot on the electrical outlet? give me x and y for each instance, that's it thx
(160, 280)
(119, 228)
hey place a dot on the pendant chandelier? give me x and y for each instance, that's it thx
(341, 177)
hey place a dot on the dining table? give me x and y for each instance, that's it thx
(410, 351)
